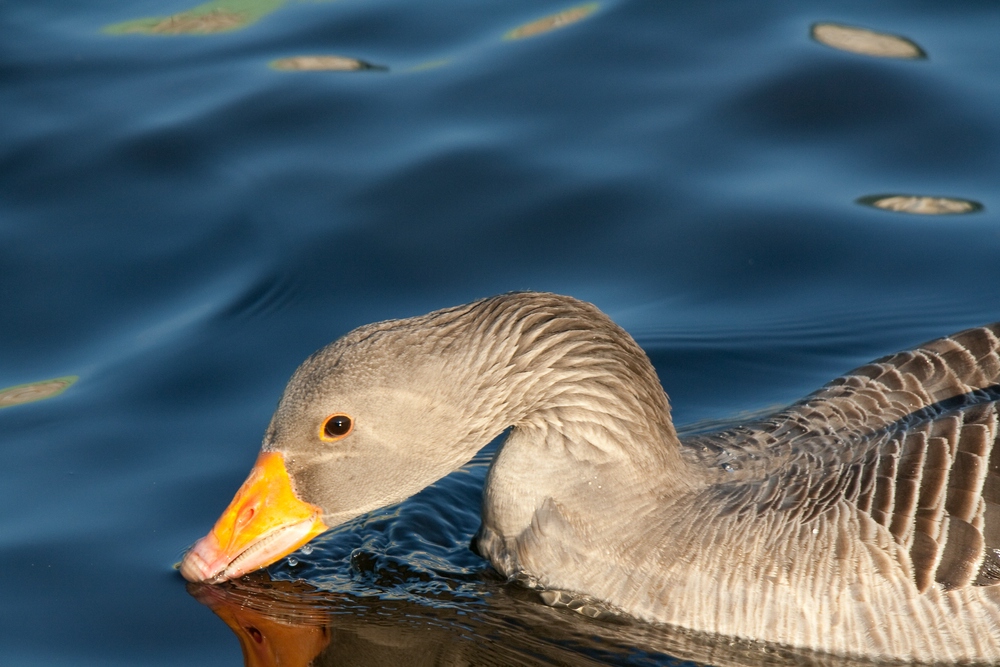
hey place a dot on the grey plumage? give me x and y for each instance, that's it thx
(863, 520)
(908, 439)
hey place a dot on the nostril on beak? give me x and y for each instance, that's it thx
(255, 634)
(246, 515)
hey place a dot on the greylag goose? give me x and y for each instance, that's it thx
(863, 520)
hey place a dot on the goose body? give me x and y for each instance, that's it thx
(863, 520)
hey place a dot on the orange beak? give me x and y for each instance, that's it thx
(264, 522)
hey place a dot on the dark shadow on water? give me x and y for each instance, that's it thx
(292, 623)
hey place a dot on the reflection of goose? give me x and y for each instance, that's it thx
(289, 624)
(862, 520)
(292, 624)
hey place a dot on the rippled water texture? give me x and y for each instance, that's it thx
(194, 198)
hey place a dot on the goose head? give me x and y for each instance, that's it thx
(392, 407)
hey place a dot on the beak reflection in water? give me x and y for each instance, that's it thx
(267, 639)
(264, 522)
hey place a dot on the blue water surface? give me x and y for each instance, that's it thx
(181, 223)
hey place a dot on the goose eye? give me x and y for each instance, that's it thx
(336, 427)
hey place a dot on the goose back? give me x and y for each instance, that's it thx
(909, 439)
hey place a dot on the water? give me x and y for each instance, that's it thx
(182, 223)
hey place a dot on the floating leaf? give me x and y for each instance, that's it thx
(553, 22)
(921, 205)
(866, 42)
(430, 64)
(34, 391)
(322, 64)
(207, 19)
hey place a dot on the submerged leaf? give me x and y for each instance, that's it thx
(866, 42)
(921, 204)
(553, 21)
(207, 19)
(34, 391)
(322, 64)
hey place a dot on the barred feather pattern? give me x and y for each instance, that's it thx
(895, 468)
(528, 357)
(863, 520)
(908, 439)
(889, 471)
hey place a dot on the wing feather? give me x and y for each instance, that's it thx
(910, 439)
